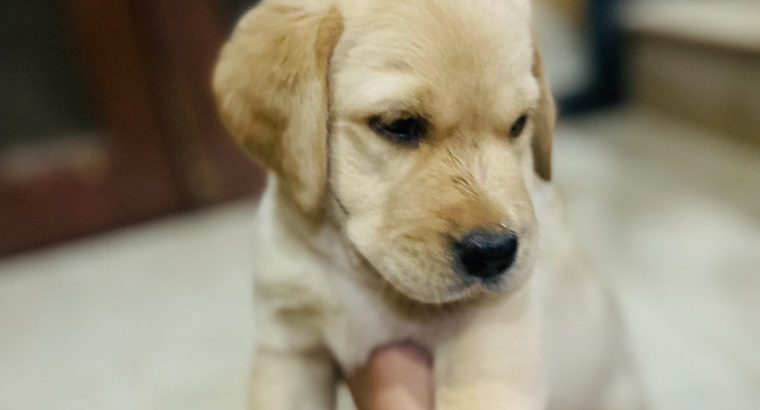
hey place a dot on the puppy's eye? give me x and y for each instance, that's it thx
(518, 127)
(406, 131)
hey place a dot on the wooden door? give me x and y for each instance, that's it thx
(106, 117)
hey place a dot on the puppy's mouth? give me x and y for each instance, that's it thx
(455, 290)
(464, 291)
(451, 270)
(461, 292)
(469, 288)
(443, 283)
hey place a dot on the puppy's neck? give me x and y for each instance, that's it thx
(321, 234)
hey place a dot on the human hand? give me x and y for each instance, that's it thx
(397, 377)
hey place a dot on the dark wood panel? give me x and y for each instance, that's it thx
(185, 41)
(148, 64)
(134, 181)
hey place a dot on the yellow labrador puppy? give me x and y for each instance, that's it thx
(409, 143)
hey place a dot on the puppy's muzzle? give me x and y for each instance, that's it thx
(486, 255)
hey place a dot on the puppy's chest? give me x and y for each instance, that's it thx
(358, 320)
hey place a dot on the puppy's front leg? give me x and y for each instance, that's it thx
(292, 381)
(494, 361)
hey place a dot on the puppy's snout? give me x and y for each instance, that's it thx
(486, 255)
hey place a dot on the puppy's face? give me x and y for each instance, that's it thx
(433, 104)
(434, 111)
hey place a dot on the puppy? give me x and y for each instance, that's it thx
(409, 143)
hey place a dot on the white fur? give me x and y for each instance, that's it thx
(355, 233)
(298, 266)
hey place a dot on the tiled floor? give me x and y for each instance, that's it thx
(159, 317)
(672, 217)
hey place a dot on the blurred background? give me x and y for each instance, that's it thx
(124, 207)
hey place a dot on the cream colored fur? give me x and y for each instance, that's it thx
(353, 246)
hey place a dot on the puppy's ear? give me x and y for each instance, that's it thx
(271, 87)
(545, 121)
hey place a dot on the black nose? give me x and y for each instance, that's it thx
(486, 255)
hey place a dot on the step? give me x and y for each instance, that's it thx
(699, 61)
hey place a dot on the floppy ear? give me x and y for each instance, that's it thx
(271, 87)
(545, 121)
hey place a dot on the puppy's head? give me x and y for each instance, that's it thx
(416, 124)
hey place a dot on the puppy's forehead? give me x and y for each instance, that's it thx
(477, 48)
